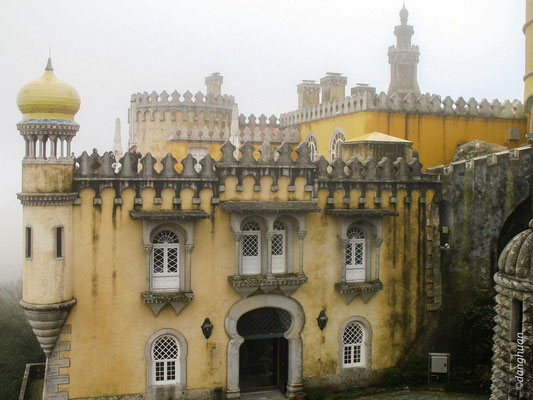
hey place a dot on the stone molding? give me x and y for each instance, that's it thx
(46, 321)
(165, 215)
(513, 283)
(247, 285)
(47, 199)
(422, 104)
(267, 207)
(366, 290)
(48, 127)
(157, 300)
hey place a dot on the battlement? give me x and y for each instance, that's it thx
(423, 104)
(187, 99)
(277, 163)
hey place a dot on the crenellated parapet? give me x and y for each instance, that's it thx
(422, 104)
(275, 162)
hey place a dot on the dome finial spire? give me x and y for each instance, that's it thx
(404, 14)
(49, 64)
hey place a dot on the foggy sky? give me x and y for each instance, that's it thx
(111, 49)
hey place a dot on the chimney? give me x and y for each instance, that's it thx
(214, 84)
(333, 85)
(308, 94)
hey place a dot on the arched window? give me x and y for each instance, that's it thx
(352, 341)
(355, 255)
(165, 261)
(165, 352)
(313, 146)
(335, 145)
(251, 248)
(279, 248)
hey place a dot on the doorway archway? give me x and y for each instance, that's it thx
(279, 309)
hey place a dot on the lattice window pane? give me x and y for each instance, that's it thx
(279, 226)
(159, 260)
(358, 253)
(353, 334)
(278, 245)
(349, 255)
(356, 353)
(355, 233)
(165, 237)
(250, 245)
(172, 259)
(264, 321)
(171, 370)
(251, 226)
(165, 348)
(160, 371)
(347, 355)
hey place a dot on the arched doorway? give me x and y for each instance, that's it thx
(291, 335)
(263, 357)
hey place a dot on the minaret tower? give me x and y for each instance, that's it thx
(403, 59)
(48, 107)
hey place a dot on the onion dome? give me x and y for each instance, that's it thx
(515, 260)
(48, 98)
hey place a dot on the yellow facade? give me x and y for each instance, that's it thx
(434, 136)
(111, 326)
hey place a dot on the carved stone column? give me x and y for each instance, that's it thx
(379, 241)
(69, 139)
(301, 237)
(270, 237)
(237, 236)
(344, 244)
(188, 255)
(40, 144)
(148, 251)
(53, 146)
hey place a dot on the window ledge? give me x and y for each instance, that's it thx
(350, 290)
(284, 284)
(157, 300)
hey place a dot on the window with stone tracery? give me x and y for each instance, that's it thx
(352, 342)
(279, 248)
(313, 146)
(335, 145)
(251, 248)
(165, 261)
(165, 352)
(355, 255)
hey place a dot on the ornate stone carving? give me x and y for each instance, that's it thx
(366, 290)
(257, 284)
(156, 301)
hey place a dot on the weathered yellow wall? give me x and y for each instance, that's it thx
(47, 178)
(528, 89)
(111, 326)
(436, 137)
(47, 280)
(152, 136)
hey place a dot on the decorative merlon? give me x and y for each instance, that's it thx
(285, 284)
(423, 104)
(47, 199)
(156, 301)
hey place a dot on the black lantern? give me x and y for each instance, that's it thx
(322, 320)
(207, 328)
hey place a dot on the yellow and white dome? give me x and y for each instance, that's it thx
(48, 98)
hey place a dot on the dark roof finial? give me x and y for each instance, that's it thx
(49, 64)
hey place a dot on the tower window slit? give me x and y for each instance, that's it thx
(59, 242)
(28, 242)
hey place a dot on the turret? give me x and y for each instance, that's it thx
(48, 107)
(333, 86)
(308, 94)
(403, 59)
(528, 77)
(214, 85)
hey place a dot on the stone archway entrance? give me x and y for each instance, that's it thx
(267, 325)
(263, 357)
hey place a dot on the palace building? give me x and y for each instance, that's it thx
(241, 253)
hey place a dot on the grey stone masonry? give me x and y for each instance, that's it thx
(53, 377)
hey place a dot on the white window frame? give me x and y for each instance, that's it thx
(312, 142)
(180, 383)
(165, 280)
(251, 265)
(356, 272)
(166, 363)
(338, 136)
(279, 262)
(364, 346)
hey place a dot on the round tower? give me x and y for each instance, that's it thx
(48, 107)
(513, 343)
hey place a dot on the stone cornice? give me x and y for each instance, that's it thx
(360, 212)
(269, 207)
(47, 199)
(183, 215)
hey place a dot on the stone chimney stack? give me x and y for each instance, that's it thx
(308, 94)
(333, 86)
(214, 84)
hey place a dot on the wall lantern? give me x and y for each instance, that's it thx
(322, 320)
(207, 328)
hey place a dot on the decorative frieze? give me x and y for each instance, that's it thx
(156, 301)
(47, 199)
(259, 284)
(366, 290)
